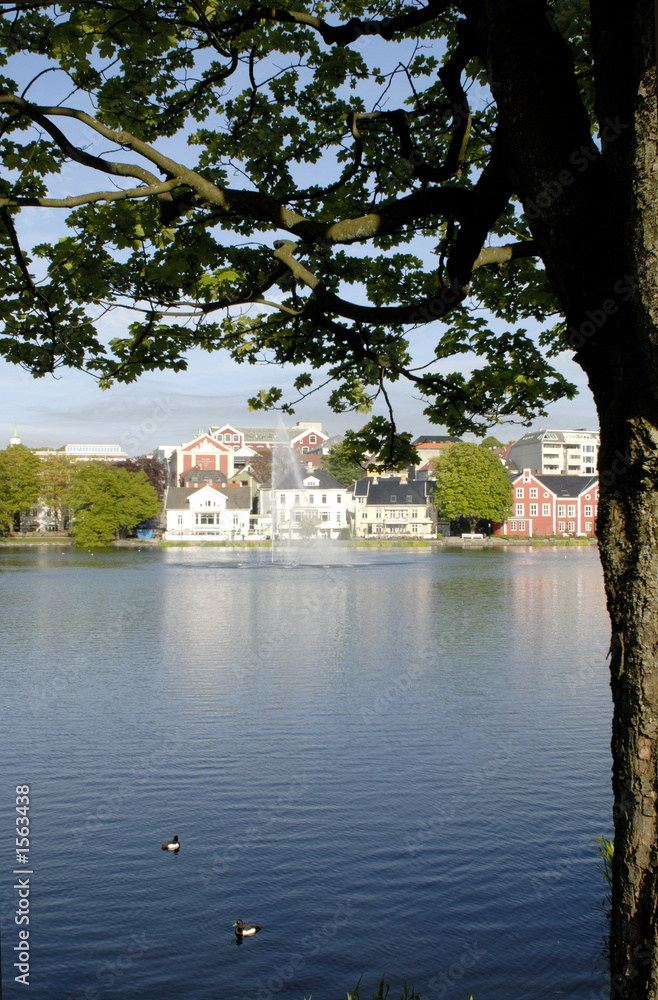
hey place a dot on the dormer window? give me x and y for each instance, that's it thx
(393, 497)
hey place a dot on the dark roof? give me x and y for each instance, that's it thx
(237, 497)
(196, 475)
(381, 491)
(297, 480)
(568, 486)
(562, 486)
(436, 439)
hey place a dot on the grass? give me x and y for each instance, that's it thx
(35, 540)
(216, 545)
(559, 541)
(414, 543)
(408, 993)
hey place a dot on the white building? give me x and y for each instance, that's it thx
(95, 452)
(557, 453)
(309, 504)
(219, 513)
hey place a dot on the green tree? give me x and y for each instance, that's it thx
(156, 472)
(106, 501)
(342, 466)
(487, 155)
(492, 442)
(54, 480)
(19, 482)
(472, 483)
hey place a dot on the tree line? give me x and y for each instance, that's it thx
(96, 501)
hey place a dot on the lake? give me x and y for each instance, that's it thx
(394, 761)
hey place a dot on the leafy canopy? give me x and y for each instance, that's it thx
(293, 187)
(54, 480)
(341, 464)
(472, 483)
(19, 481)
(105, 501)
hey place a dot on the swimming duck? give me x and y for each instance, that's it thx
(245, 930)
(171, 845)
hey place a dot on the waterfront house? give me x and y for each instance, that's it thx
(552, 505)
(211, 512)
(392, 505)
(309, 504)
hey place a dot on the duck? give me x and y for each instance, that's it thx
(245, 930)
(171, 845)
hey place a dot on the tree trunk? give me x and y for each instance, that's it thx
(598, 235)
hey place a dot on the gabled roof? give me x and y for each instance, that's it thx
(216, 429)
(427, 440)
(197, 475)
(568, 486)
(322, 435)
(210, 443)
(382, 491)
(298, 480)
(562, 486)
(237, 497)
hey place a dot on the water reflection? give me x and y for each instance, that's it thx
(411, 737)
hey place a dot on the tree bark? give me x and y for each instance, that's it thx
(596, 225)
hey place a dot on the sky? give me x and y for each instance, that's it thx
(169, 408)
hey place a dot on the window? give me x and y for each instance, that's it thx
(588, 496)
(311, 498)
(324, 515)
(572, 510)
(414, 512)
(519, 491)
(588, 525)
(338, 517)
(324, 498)
(312, 439)
(338, 498)
(561, 510)
(414, 527)
(533, 510)
(378, 514)
(546, 509)
(236, 520)
(393, 497)
(560, 525)
(571, 526)
(364, 513)
(304, 450)
(521, 525)
(512, 526)
(410, 499)
(519, 510)
(588, 510)
(282, 498)
(533, 493)
(296, 497)
(236, 437)
(180, 519)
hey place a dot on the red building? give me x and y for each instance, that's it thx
(552, 505)
(204, 452)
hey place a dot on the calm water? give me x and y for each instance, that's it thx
(397, 764)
